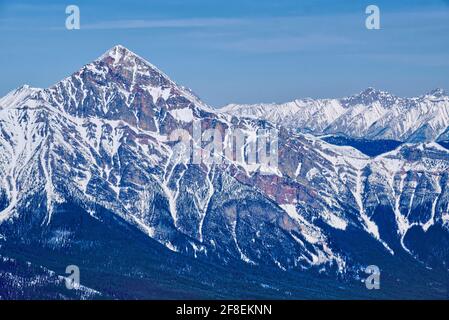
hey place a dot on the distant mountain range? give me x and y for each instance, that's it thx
(89, 177)
(371, 114)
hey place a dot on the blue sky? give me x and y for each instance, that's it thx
(237, 51)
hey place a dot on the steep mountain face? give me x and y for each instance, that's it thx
(90, 176)
(372, 114)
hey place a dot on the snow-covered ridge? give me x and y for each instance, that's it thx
(121, 55)
(17, 95)
(371, 114)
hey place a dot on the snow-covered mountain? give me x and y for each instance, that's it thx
(89, 176)
(371, 114)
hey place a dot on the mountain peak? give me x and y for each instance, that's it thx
(19, 94)
(372, 92)
(119, 53)
(119, 84)
(370, 95)
(438, 93)
(119, 49)
(122, 57)
(369, 90)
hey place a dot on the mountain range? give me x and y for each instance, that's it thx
(90, 177)
(371, 114)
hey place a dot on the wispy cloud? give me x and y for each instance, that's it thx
(410, 59)
(298, 43)
(32, 7)
(166, 23)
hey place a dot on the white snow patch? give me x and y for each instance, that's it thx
(184, 115)
(311, 173)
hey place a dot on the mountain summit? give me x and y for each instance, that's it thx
(438, 92)
(120, 85)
